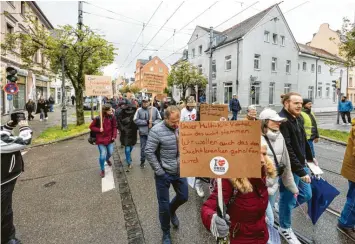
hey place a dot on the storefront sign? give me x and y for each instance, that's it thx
(213, 112)
(98, 85)
(215, 149)
(11, 88)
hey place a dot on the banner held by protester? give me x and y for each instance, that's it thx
(213, 112)
(220, 149)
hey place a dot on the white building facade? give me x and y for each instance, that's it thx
(259, 58)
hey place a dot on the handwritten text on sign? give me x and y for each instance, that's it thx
(153, 83)
(213, 112)
(98, 85)
(229, 149)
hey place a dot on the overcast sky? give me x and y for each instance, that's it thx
(127, 20)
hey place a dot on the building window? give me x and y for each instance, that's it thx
(156, 61)
(193, 52)
(282, 41)
(274, 38)
(214, 93)
(319, 69)
(287, 88)
(351, 82)
(228, 88)
(255, 96)
(200, 69)
(288, 66)
(319, 91)
(271, 92)
(312, 68)
(311, 93)
(327, 91)
(200, 50)
(23, 10)
(304, 66)
(152, 68)
(228, 62)
(160, 69)
(274, 64)
(267, 36)
(214, 69)
(9, 29)
(257, 61)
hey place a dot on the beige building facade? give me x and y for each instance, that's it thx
(330, 40)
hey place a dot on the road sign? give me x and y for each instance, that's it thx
(9, 97)
(11, 88)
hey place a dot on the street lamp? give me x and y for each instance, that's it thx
(64, 108)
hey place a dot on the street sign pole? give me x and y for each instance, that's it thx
(64, 109)
(339, 95)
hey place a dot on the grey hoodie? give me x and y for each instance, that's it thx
(142, 117)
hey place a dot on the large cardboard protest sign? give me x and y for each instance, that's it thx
(153, 83)
(215, 149)
(213, 112)
(98, 86)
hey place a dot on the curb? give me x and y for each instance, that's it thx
(60, 140)
(334, 141)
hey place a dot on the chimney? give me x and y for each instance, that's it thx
(150, 57)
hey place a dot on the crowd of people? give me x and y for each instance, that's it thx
(287, 139)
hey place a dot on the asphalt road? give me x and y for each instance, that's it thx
(59, 199)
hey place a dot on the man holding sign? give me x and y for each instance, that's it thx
(163, 155)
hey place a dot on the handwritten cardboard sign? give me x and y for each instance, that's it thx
(160, 97)
(213, 112)
(153, 83)
(215, 149)
(98, 86)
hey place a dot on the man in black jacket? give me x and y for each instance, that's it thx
(299, 152)
(11, 169)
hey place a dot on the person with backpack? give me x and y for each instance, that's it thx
(105, 136)
(246, 200)
(277, 152)
(128, 130)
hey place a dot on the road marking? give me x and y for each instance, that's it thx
(24, 152)
(108, 183)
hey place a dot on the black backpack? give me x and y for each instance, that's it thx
(92, 136)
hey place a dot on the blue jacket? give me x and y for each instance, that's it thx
(346, 106)
(234, 105)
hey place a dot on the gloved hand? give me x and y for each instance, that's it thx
(219, 226)
(22, 123)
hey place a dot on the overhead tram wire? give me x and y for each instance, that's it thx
(144, 25)
(188, 24)
(215, 27)
(157, 32)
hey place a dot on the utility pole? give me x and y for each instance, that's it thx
(80, 15)
(64, 108)
(339, 94)
(209, 98)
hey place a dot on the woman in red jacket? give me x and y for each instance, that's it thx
(105, 136)
(246, 212)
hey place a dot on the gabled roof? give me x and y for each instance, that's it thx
(208, 29)
(318, 52)
(143, 61)
(239, 30)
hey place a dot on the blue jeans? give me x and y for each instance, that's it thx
(167, 208)
(347, 217)
(269, 210)
(50, 107)
(288, 202)
(127, 151)
(105, 154)
(310, 142)
(235, 114)
(143, 141)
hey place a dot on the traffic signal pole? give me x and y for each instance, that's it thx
(339, 96)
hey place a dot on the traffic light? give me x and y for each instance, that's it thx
(252, 89)
(11, 74)
(334, 83)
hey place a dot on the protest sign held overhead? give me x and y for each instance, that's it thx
(153, 83)
(98, 85)
(213, 112)
(228, 149)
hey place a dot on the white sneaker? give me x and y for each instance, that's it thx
(276, 207)
(46, 118)
(200, 191)
(289, 236)
(41, 120)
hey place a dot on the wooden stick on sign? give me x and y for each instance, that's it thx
(151, 111)
(100, 102)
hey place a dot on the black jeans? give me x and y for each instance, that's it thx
(7, 219)
(347, 115)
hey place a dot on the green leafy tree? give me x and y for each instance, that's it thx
(124, 89)
(84, 52)
(184, 75)
(134, 89)
(347, 46)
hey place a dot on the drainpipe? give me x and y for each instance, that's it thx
(237, 80)
(347, 83)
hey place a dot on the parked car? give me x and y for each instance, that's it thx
(87, 103)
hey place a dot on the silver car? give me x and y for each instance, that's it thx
(87, 103)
